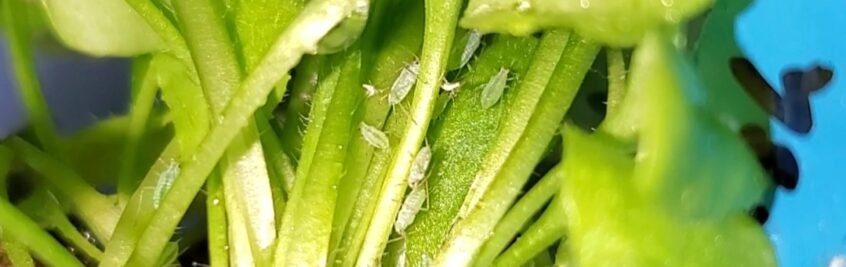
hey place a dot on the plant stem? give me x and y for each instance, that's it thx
(42, 207)
(520, 214)
(245, 178)
(97, 211)
(145, 87)
(562, 256)
(466, 133)
(616, 78)
(138, 212)
(217, 222)
(301, 37)
(315, 190)
(546, 58)
(39, 242)
(441, 17)
(365, 204)
(542, 234)
(16, 252)
(303, 86)
(511, 173)
(387, 62)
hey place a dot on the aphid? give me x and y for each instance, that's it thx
(165, 182)
(369, 89)
(374, 137)
(493, 90)
(450, 86)
(474, 39)
(410, 207)
(402, 85)
(419, 167)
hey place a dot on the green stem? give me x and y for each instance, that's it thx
(69, 232)
(315, 193)
(542, 234)
(301, 37)
(6, 158)
(387, 62)
(42, 207)
(164, 28)
(21, 56)
(562, 256)
(95, 210)
(547, 109)
(441, 17)
(365, 204)
(217, 223)
(138, 212)
(245, 177)
(39, 242)
(519, 215)
(465, 134)
(280, 168)
(145, 87)
(16, 252)
(616, 78)
(303, 87)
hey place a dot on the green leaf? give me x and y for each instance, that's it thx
(258, 24)
(182, 94)
(687, 159)
(614, 22)
(101, 27)
(610, 224)
(716, 46)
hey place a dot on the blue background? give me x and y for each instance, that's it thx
(807, 226)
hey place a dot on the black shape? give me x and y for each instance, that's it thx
(18, 186)
(786, 172)
(793, 108)
(748, 76)
(761, 214)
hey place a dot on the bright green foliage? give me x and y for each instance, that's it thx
(687, 189)
(102, 27)
(716, 45)
(680, 163)
(664, 180)
(606, 21)
(610, 224)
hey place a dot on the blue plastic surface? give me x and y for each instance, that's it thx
(808, 225)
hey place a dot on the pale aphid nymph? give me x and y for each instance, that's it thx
(164, 183)
(404, 82)
(474, 39)
(410, 207)
(374, 137)
(494, 89)
(419, 166)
